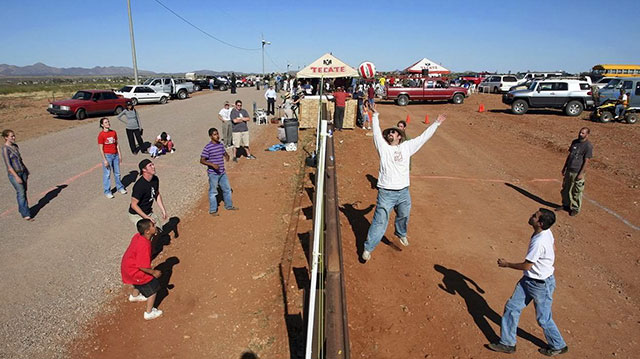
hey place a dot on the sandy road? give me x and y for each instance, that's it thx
(59, 268)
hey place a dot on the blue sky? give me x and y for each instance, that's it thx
(461, 35)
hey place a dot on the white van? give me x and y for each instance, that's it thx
(498, 83)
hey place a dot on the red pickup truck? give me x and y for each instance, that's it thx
(431, 90)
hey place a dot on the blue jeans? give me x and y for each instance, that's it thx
(114, 164)
(620, 110)
(526, 290)
(400, 201)
(21, 191)
(222, 180)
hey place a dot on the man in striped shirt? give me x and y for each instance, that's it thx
(213, 156)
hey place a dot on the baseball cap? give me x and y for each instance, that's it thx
(143, 164)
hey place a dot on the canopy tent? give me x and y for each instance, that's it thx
(327, 66)
(426, 64)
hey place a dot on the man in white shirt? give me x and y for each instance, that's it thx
(270, 95)
(225, 117)
(393, 180)
(537, 284)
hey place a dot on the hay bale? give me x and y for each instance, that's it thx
(308, 116)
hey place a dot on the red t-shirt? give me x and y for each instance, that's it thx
(341, 98)
(137, 256)
(109, 140)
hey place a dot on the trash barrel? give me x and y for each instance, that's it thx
(291, 129)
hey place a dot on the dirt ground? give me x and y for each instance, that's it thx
(473, 187)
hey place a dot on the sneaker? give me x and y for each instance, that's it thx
(251, 157)
(109, 195)
(172, 150)
(553, 352)
(366, 255)
(153, 314)
(501, 348)
(215, 214)
(404, 241)
(573, 212)
(123, 191)
(232, 209)
(235, 159)
(138, 298)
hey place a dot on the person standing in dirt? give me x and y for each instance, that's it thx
(225, 117)
(213, 156)
(580, 151)
(233, 85)
(239, 120)
(134, 129)
(145, 191)
(17, 171)
(340, 97)
(393, 180)
(537, 284)
(111, 158)
(270, 95)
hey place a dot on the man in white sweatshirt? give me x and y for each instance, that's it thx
(393, 181)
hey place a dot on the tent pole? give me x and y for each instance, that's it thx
(319, 112)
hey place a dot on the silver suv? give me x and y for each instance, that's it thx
(570, 95)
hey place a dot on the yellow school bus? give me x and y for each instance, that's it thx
(611, 70)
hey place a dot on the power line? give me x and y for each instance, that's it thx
(202, 31)
(273, 62)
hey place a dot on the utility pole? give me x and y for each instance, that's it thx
(264, 42)
(133, 44)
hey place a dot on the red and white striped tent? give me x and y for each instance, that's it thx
(432, 66)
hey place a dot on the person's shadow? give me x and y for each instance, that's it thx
(454, 283)
(46, 199)
(163, 238)
(532, 196)
(166, 268)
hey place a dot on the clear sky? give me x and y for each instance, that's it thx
(461, 35)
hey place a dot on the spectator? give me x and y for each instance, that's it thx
(134, 129)
(240, 118)
(211, 82)
(213, 156)
(225, 117)
(621, 104)
(136, 270)
(111, 158)
(270, 95)
(233, 84)
(17, 171)
(366, 124)
(340, 97)
(162, 145)
(580, 151)
(371, 94)
(145, 191)
(393, 181)
(308, 88)
(537, 284)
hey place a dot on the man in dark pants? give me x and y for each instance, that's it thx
(340, 97)
(232, 85)
(270, 95)
(580, 151)
(537, 284)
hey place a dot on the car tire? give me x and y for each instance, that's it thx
(118, 110)
(519, 107)
(182, 94)
(134, 101)
(458, 98)
(81, 114)
(196, 88)
(496, 90)
(403, 100)
(632, 118)
(605, 116)
(163, 100)
(574, 108)
(223, 88)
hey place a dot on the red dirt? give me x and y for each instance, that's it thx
(474, 185)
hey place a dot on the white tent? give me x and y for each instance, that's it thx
(327, 66)
(434, 68)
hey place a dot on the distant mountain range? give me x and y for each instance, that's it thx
(40, 69)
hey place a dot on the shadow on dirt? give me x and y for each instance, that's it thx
(164, 237)
(296, 330)
(46, 199)
(127, 180)
(249, 355)
(454, 283)
(532, 196)
(373, 181)
(166, 268)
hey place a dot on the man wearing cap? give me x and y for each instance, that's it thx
(225, 117)
(145, 192)
(393, 181)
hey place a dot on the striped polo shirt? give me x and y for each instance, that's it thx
(214, 153)
(12, 158)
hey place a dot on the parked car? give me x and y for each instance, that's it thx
(179, 88)
(431, 90)
(142, 94)
(88, 102)
(571, 95)
(499, 83)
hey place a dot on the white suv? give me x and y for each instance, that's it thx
(571, 95)
(499, 83)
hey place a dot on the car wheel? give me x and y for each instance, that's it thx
(606, 116)
(496, 90)
(196, 88)
(182, 94)
(223, 87)
(632, 118)
(574, 108)
(458, 99)
(519, 107)
(81, 114)
(403, 100)
(163, 100)
(118, 110)
(134, 101)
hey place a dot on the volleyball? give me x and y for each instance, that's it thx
(367, 70)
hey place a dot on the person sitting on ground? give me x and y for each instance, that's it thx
(136, 270)
(162, 145)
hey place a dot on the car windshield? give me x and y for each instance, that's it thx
(533, 86)
(148, 82)
(82, 95)
(126, 89)
(614, 84)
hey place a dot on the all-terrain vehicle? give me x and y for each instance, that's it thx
(606, 113)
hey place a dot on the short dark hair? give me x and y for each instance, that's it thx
(402, 122)
(6, 133)
(163, 136)
(586, 128)
(143, 225)
(547, 218)
(212, 130)
(102, 121)
(238, 102)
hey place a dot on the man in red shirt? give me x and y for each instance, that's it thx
(136, 269)
(340, 97)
